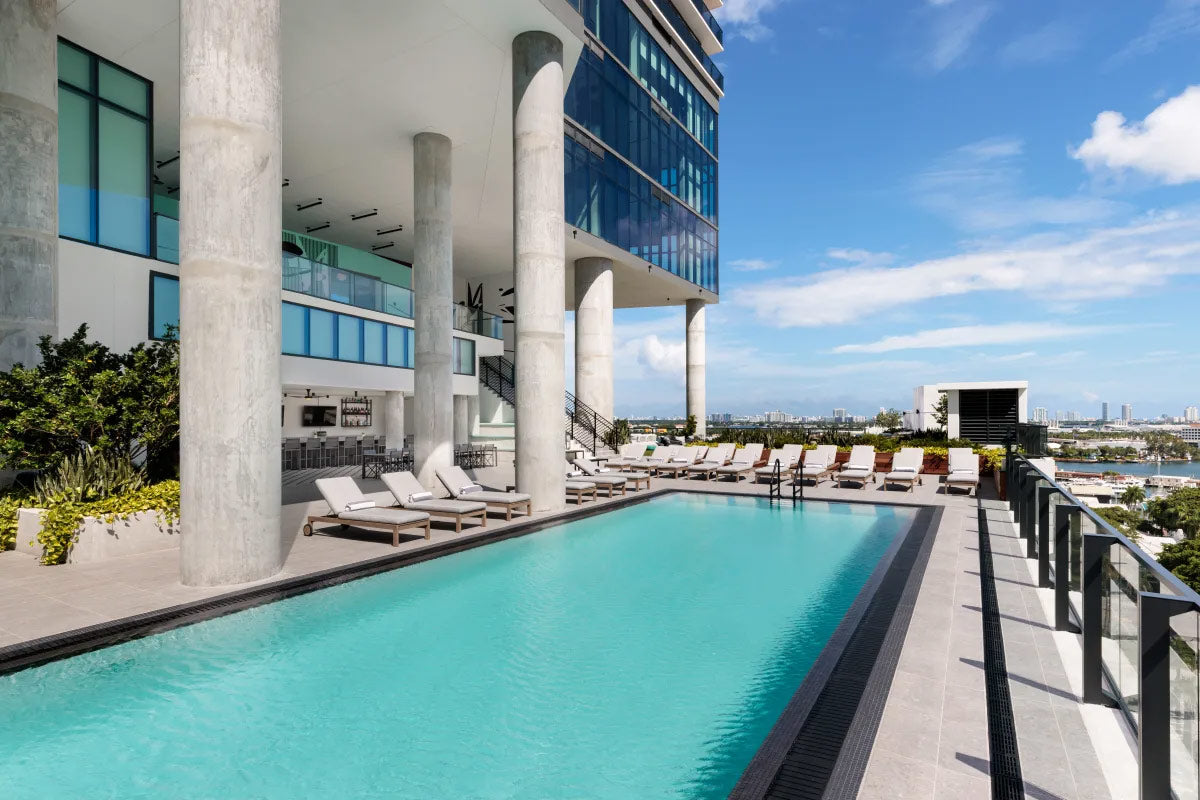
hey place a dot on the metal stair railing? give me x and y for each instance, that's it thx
(584, 424)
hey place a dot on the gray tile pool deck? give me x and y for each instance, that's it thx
(932, 740)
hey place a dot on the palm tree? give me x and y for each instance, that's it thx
(1133, 496)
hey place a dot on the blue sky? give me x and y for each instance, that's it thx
(916, 191)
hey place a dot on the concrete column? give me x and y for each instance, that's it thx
(594, 334)
(695, 364)
(539, 267)
(393, 419)
(230, 272)
(433, 293)
(472, 415)
(462, 419)
(28, 178)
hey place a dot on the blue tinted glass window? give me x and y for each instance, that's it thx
(322, 333)
(74, 66)
(399, 346)
(373, 343)
(124, 190)
(464, 356)
(76, 197)
(295, 329)
(349, 338)
(164, 306)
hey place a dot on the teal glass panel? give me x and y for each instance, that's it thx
(373, 343)
(166, 238)
(76, 200)
(397, 300)
(464, 356)
(74, 66)
(349, 338)
(340, 285)
(124, 196)
(123, 89)
(295, 329)
(399, 346)
(321, 333)
(164, 305)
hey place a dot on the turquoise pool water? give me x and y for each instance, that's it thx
(640, 653)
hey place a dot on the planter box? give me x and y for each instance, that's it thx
(138, 533)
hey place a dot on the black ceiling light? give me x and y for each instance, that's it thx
(292, 249)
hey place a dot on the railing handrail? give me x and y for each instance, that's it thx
(1161, 573)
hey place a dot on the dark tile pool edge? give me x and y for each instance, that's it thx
(36, 652)
(835, 688)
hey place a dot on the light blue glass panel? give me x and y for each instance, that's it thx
(321, 333)
(74, 66)
(76, 200)
(399, 344)
(340, 285)
(464, 356)
(295, 337)
(164, 305)
(124, 182)
(397, 300)
(349, 338)
(166, 238)
(127, 91)
(372, 341)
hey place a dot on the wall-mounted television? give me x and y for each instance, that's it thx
(318, 416)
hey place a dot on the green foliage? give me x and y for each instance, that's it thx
(618, 435)
(9, 504)
(1167, 445)
(87, 477)
(689, 428)
(1133, 496)
(1121, 518)
(889, 420)
(62, 517)
(1183, 559)
(1180, 510)
(83, 393)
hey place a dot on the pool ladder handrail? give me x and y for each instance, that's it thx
(775, 489)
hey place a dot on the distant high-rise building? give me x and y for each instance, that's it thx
(1191, 414)
(777, 416)
(1104, 412)
(1127, 412)
(1040, 415)
(839, 414)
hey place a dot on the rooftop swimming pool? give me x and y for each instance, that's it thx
(644, 652)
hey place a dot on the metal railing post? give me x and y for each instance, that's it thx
(1095, 548)
(1154, 691)
(1044, 493)
(1030, 507)
(1062, 567)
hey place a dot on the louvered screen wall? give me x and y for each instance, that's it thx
(986, 416)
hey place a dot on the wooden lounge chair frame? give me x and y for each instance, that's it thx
(359, 523)
(580, 491)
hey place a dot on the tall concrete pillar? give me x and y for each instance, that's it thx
(230, 272)
(393, 419)
(695, 364)
(539, 267)
(462, 419)
(433, 291)
(28, 178)
(594, 334)
(472, 415)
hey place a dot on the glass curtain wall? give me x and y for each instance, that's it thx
(104, 151)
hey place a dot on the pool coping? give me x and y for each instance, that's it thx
(848, 764)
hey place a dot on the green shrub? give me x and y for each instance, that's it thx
(62, 517)
(1183, 559)
(87, 477)
(618, 434)
(8, 519)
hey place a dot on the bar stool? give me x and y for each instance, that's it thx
(291, 454)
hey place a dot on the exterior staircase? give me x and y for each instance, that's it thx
(583, 425)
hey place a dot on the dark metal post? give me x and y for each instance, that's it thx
(1095, 548)
(1044, 495)
(1030, 506)
(1017, 489)
(1062, 567)
(1154, 692)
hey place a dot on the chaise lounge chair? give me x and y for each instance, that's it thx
(634, 479)
(661, 455)
(410, 494)
(610, 483)
(743, 463)
(964, 470)
(580, 489)
(860, 466)
(817, 464)
(787, 456)
(684, 458)
(717, 457)
(348, 506)
(906, 468)
(460, 486)
(626, 455)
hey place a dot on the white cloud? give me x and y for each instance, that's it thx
(752, 264)
(974, 336)
(1104, 263)
(1091, 397)
(1178, 18)
(859, 257)
(979, 187)
(954, 29)
(1048, 43)
(659, 357)
(1166, 145)
(744, 17)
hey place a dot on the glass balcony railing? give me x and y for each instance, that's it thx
(690, 39)
(478, 322)
(710, 20)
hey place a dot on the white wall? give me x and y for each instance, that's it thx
(110, 291)
(293, 410)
